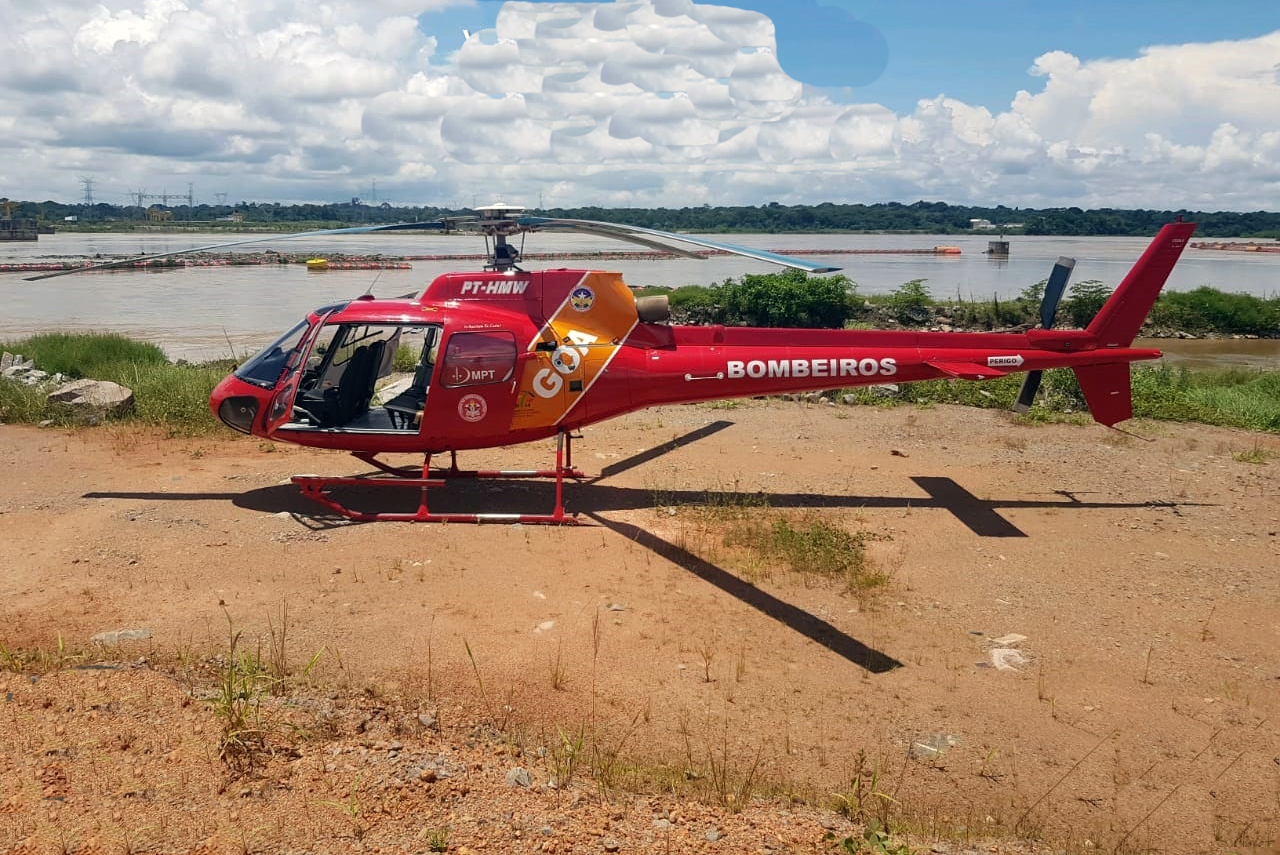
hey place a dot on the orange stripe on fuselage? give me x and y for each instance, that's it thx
(588, 327)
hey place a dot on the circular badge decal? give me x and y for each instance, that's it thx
(582, 298)
(472, 408)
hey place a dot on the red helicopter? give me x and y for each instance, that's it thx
(507, 356)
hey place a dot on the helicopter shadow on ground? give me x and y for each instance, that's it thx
(592, 500)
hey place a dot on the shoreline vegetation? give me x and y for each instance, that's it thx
(174, 396)
(918, 217)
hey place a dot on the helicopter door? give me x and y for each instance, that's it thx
(473, 393)
(282, 404)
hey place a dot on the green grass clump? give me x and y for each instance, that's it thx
(19, 403)
(1231, 397)
(812, 546)
(86, 354)
(167, 395)
(1235, 397)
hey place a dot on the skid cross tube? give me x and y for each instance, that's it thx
(318, 488)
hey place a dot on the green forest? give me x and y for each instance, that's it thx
(920, 217)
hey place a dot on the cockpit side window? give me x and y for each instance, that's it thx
(475, 358)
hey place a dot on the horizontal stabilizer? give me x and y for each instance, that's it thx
(1106, 391)
(965, 370)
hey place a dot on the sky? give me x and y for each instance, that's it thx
(653, 103)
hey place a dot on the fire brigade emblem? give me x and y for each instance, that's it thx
(472, 408)
(582, 298)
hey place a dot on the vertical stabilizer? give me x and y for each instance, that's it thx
(1107, 391)
(1118, 322)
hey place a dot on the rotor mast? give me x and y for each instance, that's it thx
(499, 222)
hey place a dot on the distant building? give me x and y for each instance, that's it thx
(978, 224)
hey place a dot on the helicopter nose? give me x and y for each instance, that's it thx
(237, 404)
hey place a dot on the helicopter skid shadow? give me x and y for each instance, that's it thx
(590, 498)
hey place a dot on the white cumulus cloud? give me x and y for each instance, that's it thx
(652, 102)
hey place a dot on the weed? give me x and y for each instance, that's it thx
(352, 808)
(565, 753)
(865, 800)
(708, 652)
(731, 787)
(558, 679)
(278, 659)
(438, 839)
(243, 680)
(874, 840)
(813, 547)
(38, 659)
(484, 696)
(1257, 455)
(11, 660)
(985, 769)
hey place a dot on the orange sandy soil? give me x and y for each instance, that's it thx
(720, 701)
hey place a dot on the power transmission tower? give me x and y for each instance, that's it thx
(87, 183)
(221, 197)
(191, 196)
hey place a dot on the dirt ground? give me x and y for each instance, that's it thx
(662, 691)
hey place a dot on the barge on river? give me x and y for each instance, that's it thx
(19, 230)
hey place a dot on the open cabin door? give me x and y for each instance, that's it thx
(281, 407)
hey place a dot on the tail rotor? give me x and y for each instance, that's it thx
(1053, 291)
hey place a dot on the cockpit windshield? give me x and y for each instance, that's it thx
(264, 368)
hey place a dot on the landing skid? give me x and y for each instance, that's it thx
(318, 488)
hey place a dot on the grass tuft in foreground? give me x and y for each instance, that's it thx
(811, 546)
(174, 396)
(741, 529)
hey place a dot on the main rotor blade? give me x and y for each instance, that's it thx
(619, 235)
(1053, 291)
(632, 233)
(1027, 394)
(124, 262)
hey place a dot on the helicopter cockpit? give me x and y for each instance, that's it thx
(373, 376)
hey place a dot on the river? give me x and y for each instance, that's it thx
(208, 312)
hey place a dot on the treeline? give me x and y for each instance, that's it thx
(930, 218)
(795, 299)
(924, 217)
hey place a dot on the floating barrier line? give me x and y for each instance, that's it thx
(1236, 246)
